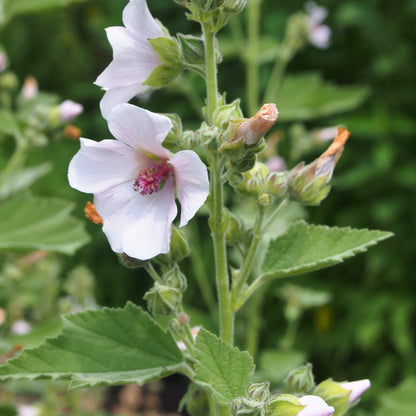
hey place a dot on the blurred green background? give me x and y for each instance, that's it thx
(367, 329)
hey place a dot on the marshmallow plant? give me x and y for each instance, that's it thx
(135, 179)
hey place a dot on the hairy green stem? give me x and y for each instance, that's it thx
(249, 259)
(275, 213)
(252, 79)
(211, 70)
(152, 272)
(254, 320)
(221, 266)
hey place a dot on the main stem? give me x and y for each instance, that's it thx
(216, 219)
(253, 30)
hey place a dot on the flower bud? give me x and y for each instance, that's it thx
(175, 278)
(309, 184)
(171, 65)
(192, 49)
(334, 395)
(257, 126)
(226, 113)
(162, 299)
(179, 248)
(130, 262)
(301, 379)
(315, 406)
(234, 6)
(30, 88)
(259, 391)
(284, 404)
(357, 388)
(235, 230)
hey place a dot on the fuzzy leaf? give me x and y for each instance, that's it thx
(37, 223)
(308, 96)
(103, 347)
(224, 369)
(305, 248)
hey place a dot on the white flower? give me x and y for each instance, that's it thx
(133, 56)
(357, 388)
(319, 34)
(315, 406)
(69, 109)
(133, 181)
(21, 327)
(27, 410)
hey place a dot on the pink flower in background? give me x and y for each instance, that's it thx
(30, 88)
(319, 34)
(357, 388)
(133, 56)
(3, 61)
(315, 406)
(133, 181)
(69, 109)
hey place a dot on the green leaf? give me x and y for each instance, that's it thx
(18, 181)
(103, 347)
(305, 247)
(37, 223)
(399, 401)
(307, 96)
(7, 123)
(224, 369)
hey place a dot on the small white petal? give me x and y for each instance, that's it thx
(140, 129)
(315, 406)
(357, 388)
(115, 96)
(138, 19)
(151, 217)
(133, 62)
(69, 110)
(192, 184)
(100, 165)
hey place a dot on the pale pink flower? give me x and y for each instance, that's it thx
(194, 332)
(315, 406)
(69, 109)
(319, 34)
(27, 410)
(133, 181)
(326, 134)
(357, 388)
(21, 327)
(276, 163)
(3, 61)
(134, 58)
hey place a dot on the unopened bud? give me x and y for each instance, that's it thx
(235, 230)
(162, 299)
(284, 404)
(192, 49)
(69, 109)
(301, 380)
(175, 278)
(234, 6)
(258, 391)
(183, 318)
(357, 388)
(315, 406)
(257, 126)
(334, 394)
(309, 184)
(227, 112)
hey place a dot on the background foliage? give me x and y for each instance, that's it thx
(364, 328)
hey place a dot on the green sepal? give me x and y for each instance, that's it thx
(171, 65)
(163, 299)
(284, 405)
(334, 395)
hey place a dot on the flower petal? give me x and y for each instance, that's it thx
(140, 129)
(133, 62)
(115, 96)
(315, 406)
(192, 183)
(100, 165)
(138, 19)
(357, 388)
(135, 224)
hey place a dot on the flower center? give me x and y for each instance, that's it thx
(152, 179)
